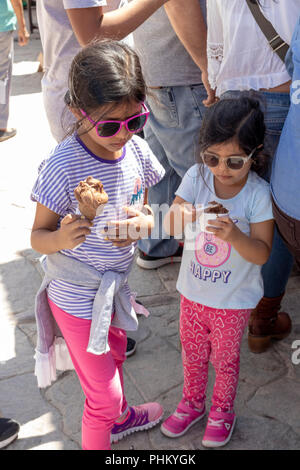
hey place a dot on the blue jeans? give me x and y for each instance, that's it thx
(172, 132)
(278, 268)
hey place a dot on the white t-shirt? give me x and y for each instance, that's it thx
(212, 272)
(239, 56)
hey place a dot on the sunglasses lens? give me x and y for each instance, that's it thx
(108, 129)
(210, 159)
(235, 163)
(137, 123)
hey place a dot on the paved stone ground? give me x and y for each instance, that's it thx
(268, 401)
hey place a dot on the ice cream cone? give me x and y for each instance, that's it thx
(91, 197)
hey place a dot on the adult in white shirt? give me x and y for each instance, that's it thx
(67, 25)
(240, 58)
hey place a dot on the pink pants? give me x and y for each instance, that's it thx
(211, 334)
(101, 378)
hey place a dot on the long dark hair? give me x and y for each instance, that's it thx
(105, 73)
(237, 119)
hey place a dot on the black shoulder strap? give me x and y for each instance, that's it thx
(276, 43)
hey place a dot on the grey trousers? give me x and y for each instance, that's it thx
(6, 62)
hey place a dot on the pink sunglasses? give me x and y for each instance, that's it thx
(133, 124)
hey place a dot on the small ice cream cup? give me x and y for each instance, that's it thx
(205, 217)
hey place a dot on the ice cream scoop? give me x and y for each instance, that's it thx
(91, 197)
(213, 210)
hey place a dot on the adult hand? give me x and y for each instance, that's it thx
(23, 36)
(73, 231)
(211, 94)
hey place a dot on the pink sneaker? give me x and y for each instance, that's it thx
(181, 420)
(219, 428)
(138, 418)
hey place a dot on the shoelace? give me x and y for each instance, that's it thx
(215, 423)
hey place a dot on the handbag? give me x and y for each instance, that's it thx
(275, 41)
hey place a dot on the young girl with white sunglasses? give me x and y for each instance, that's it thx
(220, 276)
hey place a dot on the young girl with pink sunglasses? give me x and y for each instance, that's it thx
(85, 293)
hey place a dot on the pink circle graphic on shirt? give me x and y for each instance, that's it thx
(211, 251)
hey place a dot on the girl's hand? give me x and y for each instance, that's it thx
(255, 248)
(73, 231)
(124, 232)
(223, 228)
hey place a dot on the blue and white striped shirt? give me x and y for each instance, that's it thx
(124, 180)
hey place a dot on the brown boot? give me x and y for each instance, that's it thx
(267, 323)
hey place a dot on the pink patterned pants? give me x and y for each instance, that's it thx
(209, 334)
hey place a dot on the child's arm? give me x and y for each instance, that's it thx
(180, 214)
(92, 23)
(47, 239)
(256, 249)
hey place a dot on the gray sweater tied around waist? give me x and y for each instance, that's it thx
(112, 293)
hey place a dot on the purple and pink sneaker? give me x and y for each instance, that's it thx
(139, 418)
(181, 420)
(219, 428)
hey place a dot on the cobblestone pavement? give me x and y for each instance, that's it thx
(268, 401)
